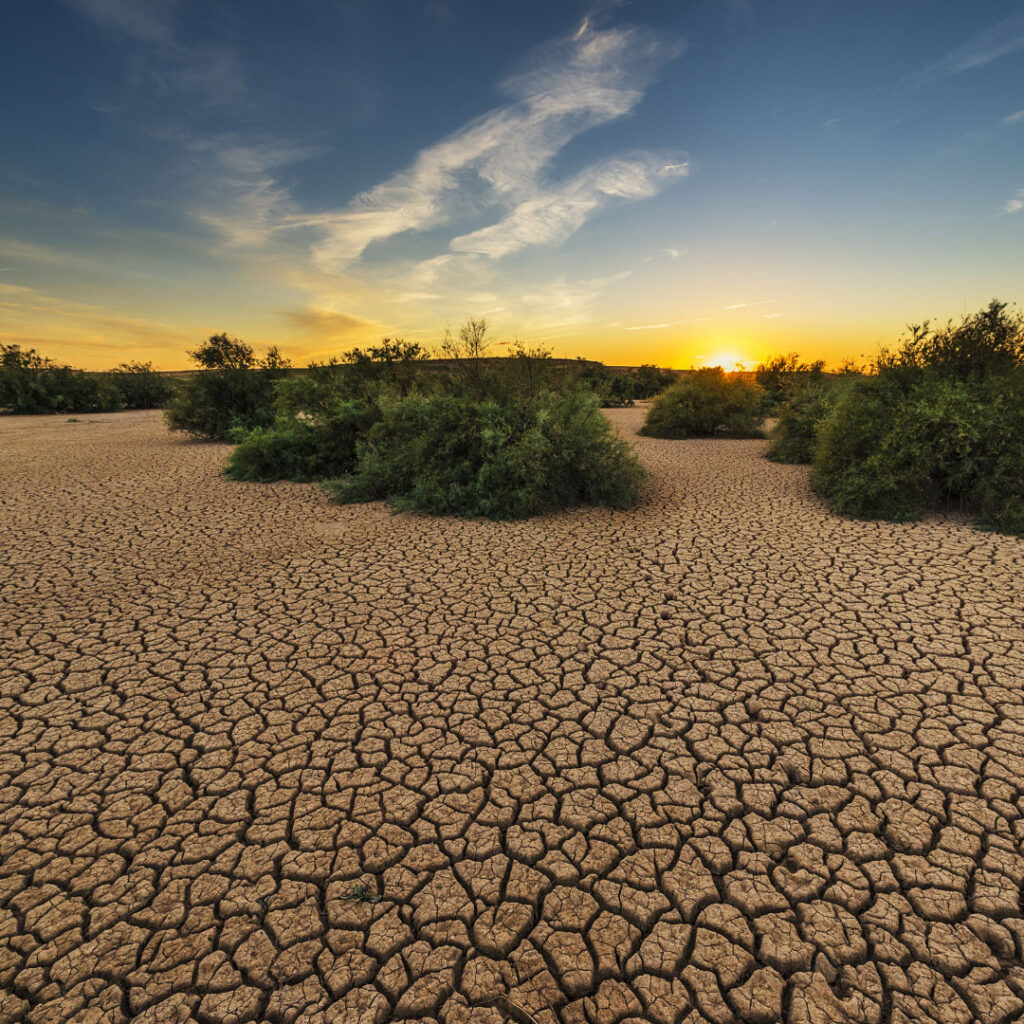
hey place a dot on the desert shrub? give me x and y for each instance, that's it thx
(805, 402)
(618, 389)
(32, 383)
(933, 428)
(232, 389)
(779, 376)
(454, 454)
(613, 390)
(704, 403)
(862, 464)
(303, 446)
(650, 380)
(395, 364)
(140, 386)
(989, 342)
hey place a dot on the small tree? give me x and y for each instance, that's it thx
(232, 389)
(394, 362)
(467, 353)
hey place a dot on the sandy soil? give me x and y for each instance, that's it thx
(722, 757)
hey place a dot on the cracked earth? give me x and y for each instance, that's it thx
(724, 757)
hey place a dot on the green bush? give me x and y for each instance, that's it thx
(453, 454)
(650, 380)
(302, 447)
(617, 389)
(705, 403)
(232, 389)
(140, 386)
(933, 428)
(805, 402)
(31, 383)
(779, 376)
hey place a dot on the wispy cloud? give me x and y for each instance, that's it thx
(143, 20)
(649, 327)
(1013, 118)
(1016, 203)
(245, 201)
(210, 72)
(999, 40)
(745, 305)
(567, 87)
(553, 215)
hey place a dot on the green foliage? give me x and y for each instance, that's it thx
(140, 386)
(394, 363)
(705, 403)
(778, 376)
(806, 400)
(453, 454)
(616, 389)
(31, 383)
(613, 390)
(650, 380)
(302, 446)
(363, 894)
(989, 342)
(232, 389)
(940, 425)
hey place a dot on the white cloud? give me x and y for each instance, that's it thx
(1016, 203)
(567, 87)
(999, 40)
(745, 305)
(648, 327)
(1013, 118)
(244, 201)
(553, 215)
(211, 72)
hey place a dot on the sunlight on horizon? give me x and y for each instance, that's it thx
(728, 359)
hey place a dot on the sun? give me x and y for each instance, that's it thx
(728, 360)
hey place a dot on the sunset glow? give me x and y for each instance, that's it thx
(632, 183)
(730, 361)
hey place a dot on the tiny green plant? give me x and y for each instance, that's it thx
(363, 894)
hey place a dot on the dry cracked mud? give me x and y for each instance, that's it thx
(722, 757)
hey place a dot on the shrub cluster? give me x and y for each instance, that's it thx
(469, 436)
(232, 389)
(617, 389)
(705, 403)
(804, 404)
(140, 386)
(938, 425)
(303, 446)
(455, 454)
(779, 376)
(31, 383)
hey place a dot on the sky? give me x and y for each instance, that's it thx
(684, 182)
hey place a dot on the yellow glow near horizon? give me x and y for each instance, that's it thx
(728, 360)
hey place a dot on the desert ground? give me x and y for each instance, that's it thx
(722, 757)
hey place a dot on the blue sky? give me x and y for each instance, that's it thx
(650, 181)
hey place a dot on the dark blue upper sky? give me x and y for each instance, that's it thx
(655, 179)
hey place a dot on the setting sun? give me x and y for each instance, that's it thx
(728, 360)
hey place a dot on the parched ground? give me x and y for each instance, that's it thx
(724, 757)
